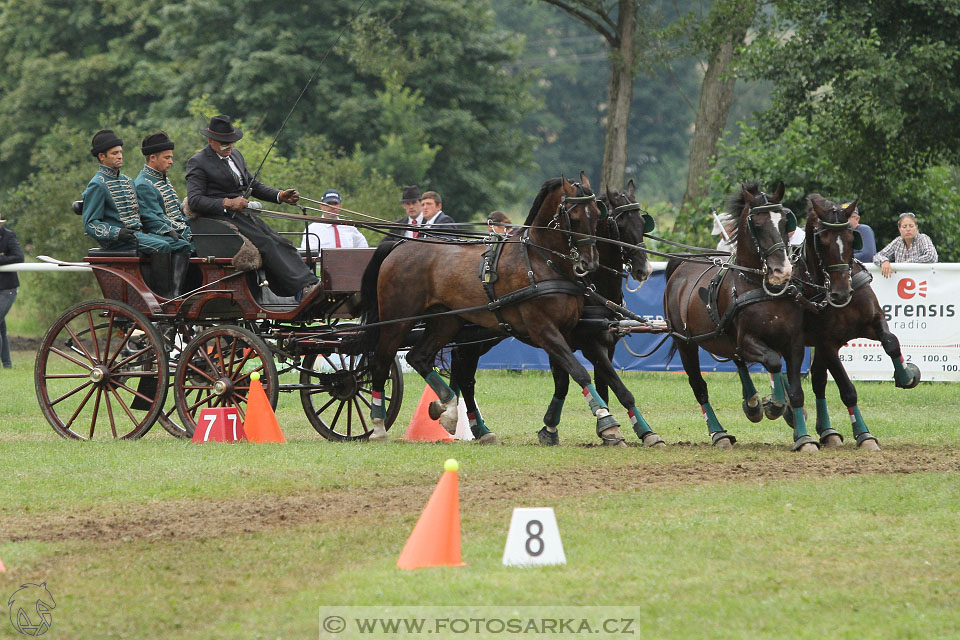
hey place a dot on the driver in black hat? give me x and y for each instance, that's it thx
(217, 179)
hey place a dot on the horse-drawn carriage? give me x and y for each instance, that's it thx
(114, 366)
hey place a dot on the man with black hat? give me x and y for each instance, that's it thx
(218, 182)
(410, 200)
(154, 190)
(111, 212)
(321, 235)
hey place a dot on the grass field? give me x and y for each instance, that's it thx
(161, 538)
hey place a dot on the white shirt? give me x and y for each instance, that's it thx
(326, 234)
(409, 232)
(429, 222)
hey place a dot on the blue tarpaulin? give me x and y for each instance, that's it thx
(647, 302)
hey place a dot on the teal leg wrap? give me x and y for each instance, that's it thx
(713, 425)
(899, 373)
(640, 426)
(593, 398)
(800, 435)
(377, 410)
(779, 395)
(856, 421)
(823, 417)
(477, 425)
(444, 392)
(746, 384)
(552, 417)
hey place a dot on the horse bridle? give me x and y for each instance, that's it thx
(648, 226)
(834, 268)
(567, 203)
(766, 207)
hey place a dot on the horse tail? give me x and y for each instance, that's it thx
(369, 302)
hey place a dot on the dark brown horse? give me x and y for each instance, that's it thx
(406, 279)
(740, 310)
(625, 223)
(851, 311)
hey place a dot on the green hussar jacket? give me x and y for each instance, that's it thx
(158, 198)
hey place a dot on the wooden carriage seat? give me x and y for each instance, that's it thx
(156, 270)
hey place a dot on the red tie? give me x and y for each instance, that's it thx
(414, 223)
(336, 236)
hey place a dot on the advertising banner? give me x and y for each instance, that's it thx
(920, 303)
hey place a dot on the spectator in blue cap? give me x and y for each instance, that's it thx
(331, 236)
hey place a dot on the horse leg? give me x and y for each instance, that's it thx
(829, 437)
(906, 375)
(689, 356)
(463, 369)
(548, 435)
(751, 399)
(391, 336)
(550, 339)
(776, 403)
(438, 332)
(848, 394)
(802, 441)
(599, 354)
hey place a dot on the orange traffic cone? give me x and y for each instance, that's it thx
(3, 569)
(260, 423)
(435, 540)
(422, 428)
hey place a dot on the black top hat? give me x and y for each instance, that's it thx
(155, 143)
(410, 194)
(104, 140)
(221, 129)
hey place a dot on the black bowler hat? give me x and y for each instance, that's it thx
(104, 140)
(410, 194)
(221, 129)
(155, 143)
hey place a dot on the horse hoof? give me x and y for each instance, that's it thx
(448, 419)
(612, 437)
(914, 379)
(771, 409)
(870, 444)
(488, 438)
(653, 440)
(723, 443)
(754, 413)
(548, 438)
(809, 447)
(435, 410)
(379, 433)
(832, 441)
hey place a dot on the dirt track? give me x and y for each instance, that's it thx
(183, 519)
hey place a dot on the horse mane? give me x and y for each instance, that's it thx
(730, 219)
(545, 191)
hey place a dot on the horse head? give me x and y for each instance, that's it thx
(830, 246)
(631, 222)
(564, 218)
(764, 227)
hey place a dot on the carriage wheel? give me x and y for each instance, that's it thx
(338, 402)
(176, 336)
(214, 371)
(101, 366)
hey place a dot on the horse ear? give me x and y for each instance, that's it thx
(584, 180)
(779, 193)
(848, 211)
(815, 199)
(631, 189)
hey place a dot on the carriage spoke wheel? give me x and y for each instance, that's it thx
(176, 336)
(214, 369)
(101, 370)
(337, 403)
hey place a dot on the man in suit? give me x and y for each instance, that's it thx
(217, 181)
(432, 207)
(410, 201)
(111, 210)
